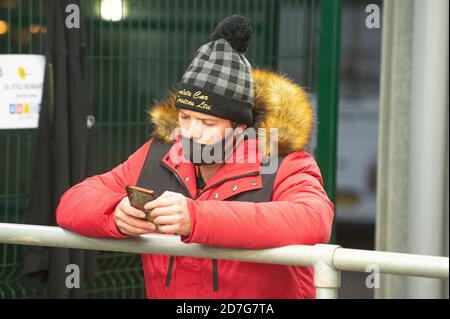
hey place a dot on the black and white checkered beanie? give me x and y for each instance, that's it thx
(219, 79)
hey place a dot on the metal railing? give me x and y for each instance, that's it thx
(328, 260)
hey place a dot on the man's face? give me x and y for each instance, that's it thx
(203, 128)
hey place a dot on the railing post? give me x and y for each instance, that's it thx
(327, 279)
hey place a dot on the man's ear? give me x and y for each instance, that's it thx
(242, 127)
(239, 129)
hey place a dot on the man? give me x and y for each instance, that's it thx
(227, 197)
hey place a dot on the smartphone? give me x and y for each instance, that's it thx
(140, 196)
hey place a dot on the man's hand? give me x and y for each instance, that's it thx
(170, 213)
(130, 221)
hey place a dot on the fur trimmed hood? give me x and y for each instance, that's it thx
(279, 103)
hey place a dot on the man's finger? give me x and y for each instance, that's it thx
(130, 210)
(137, 222)
(168, 193)
(168, 229)
(167, 210)
(167, 220)
(130, 230)
(161, 202)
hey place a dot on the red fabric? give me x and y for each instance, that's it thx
(300, 213)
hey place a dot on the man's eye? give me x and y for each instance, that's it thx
(184, 117)
(208, 123)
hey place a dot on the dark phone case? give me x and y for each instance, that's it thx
(138, 197)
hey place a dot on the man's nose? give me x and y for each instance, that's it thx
(195, 129)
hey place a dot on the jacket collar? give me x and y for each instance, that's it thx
(245, 161)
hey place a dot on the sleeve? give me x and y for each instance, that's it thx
(300, 212)
(87, 208)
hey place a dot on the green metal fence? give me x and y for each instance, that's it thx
(131, 63)
(25, 22)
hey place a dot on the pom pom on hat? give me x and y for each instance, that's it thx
(236, 29)
(221, 74)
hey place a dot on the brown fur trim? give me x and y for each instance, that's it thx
(279, 103)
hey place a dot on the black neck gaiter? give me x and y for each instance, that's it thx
(204, 154)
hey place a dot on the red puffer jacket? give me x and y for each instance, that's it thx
(299, 213)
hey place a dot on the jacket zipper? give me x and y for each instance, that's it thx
(226, 180)
(215, 272)
(179, 179)
(208, 187)
(214, 261)
(188, 192)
